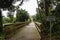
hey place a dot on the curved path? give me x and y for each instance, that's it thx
(28, 32)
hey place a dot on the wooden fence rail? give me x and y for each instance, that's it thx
(10, 29)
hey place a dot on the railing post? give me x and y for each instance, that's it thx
(1, 26)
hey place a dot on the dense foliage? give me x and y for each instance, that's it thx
(47, 9)
(22, 16)
(5, 4)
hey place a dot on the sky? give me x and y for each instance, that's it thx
(29, 6)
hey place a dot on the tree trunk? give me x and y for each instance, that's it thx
(1, 26)
(46, 7)
(47, 14)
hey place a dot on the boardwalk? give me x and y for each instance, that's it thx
(28, 32)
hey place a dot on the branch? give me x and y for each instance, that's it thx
(21, 2)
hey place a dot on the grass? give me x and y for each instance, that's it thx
(1, 36)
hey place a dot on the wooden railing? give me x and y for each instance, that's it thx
(38, 26)
(11, 28)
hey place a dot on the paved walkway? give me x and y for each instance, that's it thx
(28, 32)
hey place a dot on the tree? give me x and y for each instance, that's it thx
(56, 25)
(22, 16)
(47, 9)
(5, 4)
(10, 16)
(5, 20)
